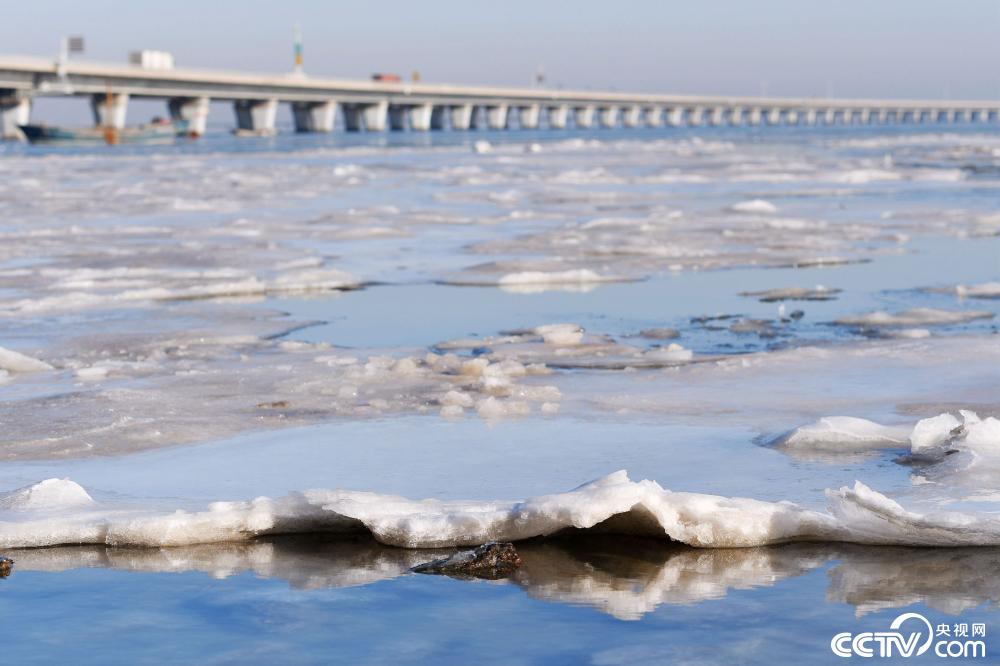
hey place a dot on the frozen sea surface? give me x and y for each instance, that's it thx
(208, 344)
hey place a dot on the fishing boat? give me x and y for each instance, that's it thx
(156, 131)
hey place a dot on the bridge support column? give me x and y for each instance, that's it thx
(109, 110)
(774, 116)
(735, 116)
(420, 117)
(369, 117)
(375, 116)
(631, 116)
(883, 116)
(754, 116)
(715, 117)
(695, 116)
(397, 117)
(653, 115)
(461, 116)
(865, 116)
(583, 117)
(256, 116)
(528, 116)
(792, 117)
(192, 110)
(675, 116)
(314, 116)
(14, 111)
(830, 117)
(608, 116)
(497, 116)
(438, 114)
(809, 117)
(558, 116)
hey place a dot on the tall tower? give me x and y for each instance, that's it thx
(297, 70)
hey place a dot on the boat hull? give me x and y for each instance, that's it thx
(151, 133)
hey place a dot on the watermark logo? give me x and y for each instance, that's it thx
(911, 635)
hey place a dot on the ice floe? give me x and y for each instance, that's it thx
(612, 504)
(914, 317)
(13, 361)
(755, 206)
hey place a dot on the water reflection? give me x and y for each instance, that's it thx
(625, 578)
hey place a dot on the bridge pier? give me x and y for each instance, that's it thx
(461, 117)
(583, 117)
(608, 116)
(735, 116)
(256, 116)
(774, 116)
(313, 116)
(438, 114)
(754, 116)
(497, 116)
(420, 117)
(652, 116)
(695, 116)
(367, 117)
(193, 110)
(109, 110)
(397, 117)
(529, 116)
(715, 116)
(631, 116)
(675, 116)
(791, 116)
(558, 116)
(15, 110)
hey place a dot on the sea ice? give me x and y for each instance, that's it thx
(914, 317)
(613, 504)
(13, 361)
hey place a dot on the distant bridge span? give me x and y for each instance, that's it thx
(376, 106)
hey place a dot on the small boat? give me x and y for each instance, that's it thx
(157, 131)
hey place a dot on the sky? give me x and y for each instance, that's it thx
(847, 48)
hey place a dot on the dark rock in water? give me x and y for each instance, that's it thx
(491, 561)
(6, 566)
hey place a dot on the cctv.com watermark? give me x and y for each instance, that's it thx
(912, 635)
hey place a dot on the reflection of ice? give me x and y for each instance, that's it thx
(623, 578)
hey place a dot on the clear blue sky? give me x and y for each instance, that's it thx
(891, 48)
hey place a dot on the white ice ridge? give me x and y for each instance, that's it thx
(59, 512)
(13, 361)
(915, 317)
(984, 290)
(845, 433)
(932, 437)
(754, 206)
